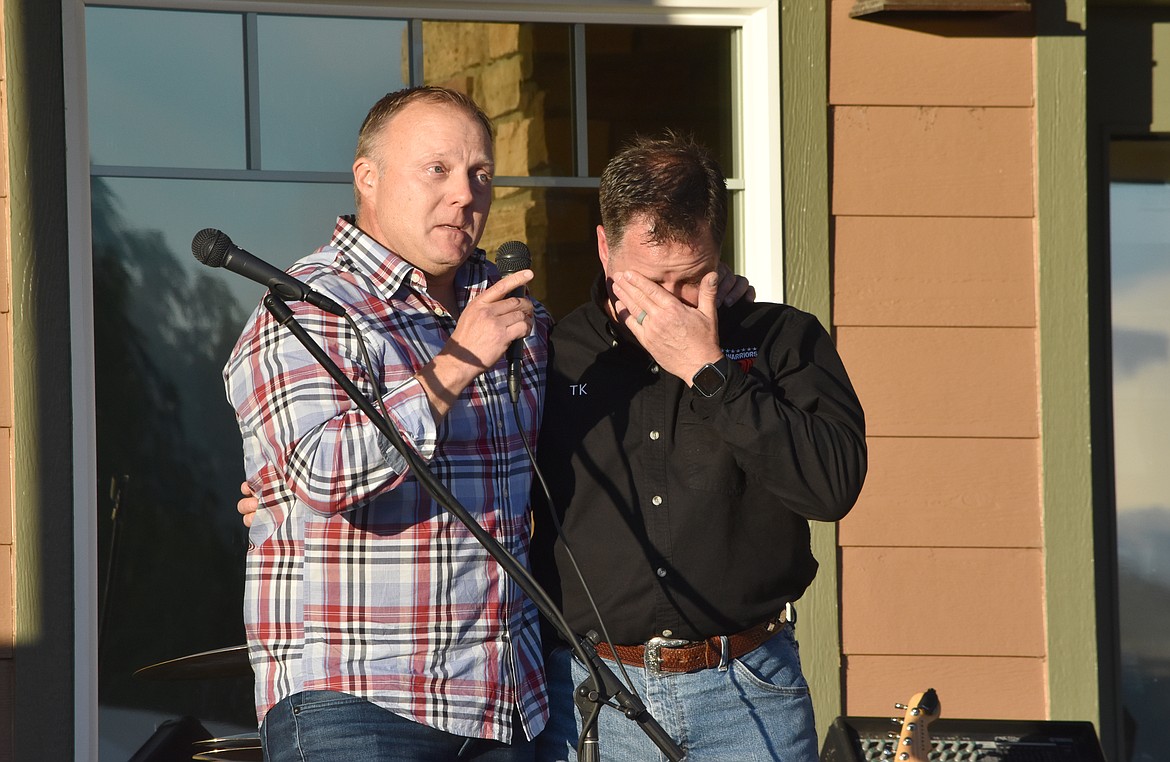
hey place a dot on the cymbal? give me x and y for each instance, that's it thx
(241, 754)
(241, 741)
(221, 662)
(242, 748)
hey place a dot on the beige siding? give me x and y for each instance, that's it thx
(932, 162)
(940, 271)
(939, 492)
(956, 59)
(934, 294)
(926, 381)
(968, 686)
(942, 602)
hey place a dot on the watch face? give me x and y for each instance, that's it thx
(709, 380)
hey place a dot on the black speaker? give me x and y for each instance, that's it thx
(861, 739)
(172, 742)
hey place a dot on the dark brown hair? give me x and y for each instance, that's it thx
(671, 180)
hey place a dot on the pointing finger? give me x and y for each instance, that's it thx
(503, 288)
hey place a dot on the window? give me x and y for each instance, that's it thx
(245, 121)
(1139, 202)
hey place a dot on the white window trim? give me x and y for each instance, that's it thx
(759, 216)
(84, 395)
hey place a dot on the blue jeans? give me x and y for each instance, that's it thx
(754, 708)
(327, 726)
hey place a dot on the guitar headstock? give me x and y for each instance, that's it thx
(914, 740)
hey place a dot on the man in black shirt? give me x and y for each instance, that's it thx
(686, 447)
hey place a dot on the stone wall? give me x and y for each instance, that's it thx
(493, 63)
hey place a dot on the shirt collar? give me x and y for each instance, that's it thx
(608, 330)
(390, 271)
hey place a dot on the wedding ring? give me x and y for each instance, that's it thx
(641, 317)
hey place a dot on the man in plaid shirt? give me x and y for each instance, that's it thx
(378, 627)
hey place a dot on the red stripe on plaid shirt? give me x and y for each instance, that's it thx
(356, 580)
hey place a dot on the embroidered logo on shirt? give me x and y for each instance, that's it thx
(745, 357)
(578, 390)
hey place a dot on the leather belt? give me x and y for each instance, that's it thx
(669, 655)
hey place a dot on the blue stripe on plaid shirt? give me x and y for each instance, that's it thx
(356, 580)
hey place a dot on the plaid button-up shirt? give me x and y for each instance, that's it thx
(357, 581)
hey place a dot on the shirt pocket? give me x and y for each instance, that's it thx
(704, 461)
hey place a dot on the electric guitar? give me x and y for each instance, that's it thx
(914, 740)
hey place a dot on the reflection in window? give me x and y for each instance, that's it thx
(558, 225)
(521, 75)
(165, 88)
(171, 554)
(642, 79)
(1140, 281)
(167, 443)
(314, 89)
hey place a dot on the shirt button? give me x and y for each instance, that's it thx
(654, 435)
(661, 572)
(654, 368)
(667, 633)
(656, 500)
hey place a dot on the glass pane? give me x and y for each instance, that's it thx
(166, 88)
(642, 79)
(1140, 261)
(169, 455)
(558, 225)
(318, 78)
(520, 75)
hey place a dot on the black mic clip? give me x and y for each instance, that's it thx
(590, 697)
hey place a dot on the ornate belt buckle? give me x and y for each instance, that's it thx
(654, 648)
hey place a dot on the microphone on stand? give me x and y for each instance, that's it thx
(214, 249)
(511, 257)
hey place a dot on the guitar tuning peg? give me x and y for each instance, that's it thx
(895, 720)
(900, 706)
(891, 735)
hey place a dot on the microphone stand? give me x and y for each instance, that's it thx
(602, 684)
(589, 698)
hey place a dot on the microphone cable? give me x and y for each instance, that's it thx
(513, 360)
(552, 515)
(552, 512)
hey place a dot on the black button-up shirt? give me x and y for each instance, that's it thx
(689, 515)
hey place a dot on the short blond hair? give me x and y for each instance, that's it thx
(391, 103)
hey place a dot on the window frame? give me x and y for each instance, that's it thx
(756, 76)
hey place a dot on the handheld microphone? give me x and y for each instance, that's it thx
(511, 257)
(214, 249)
